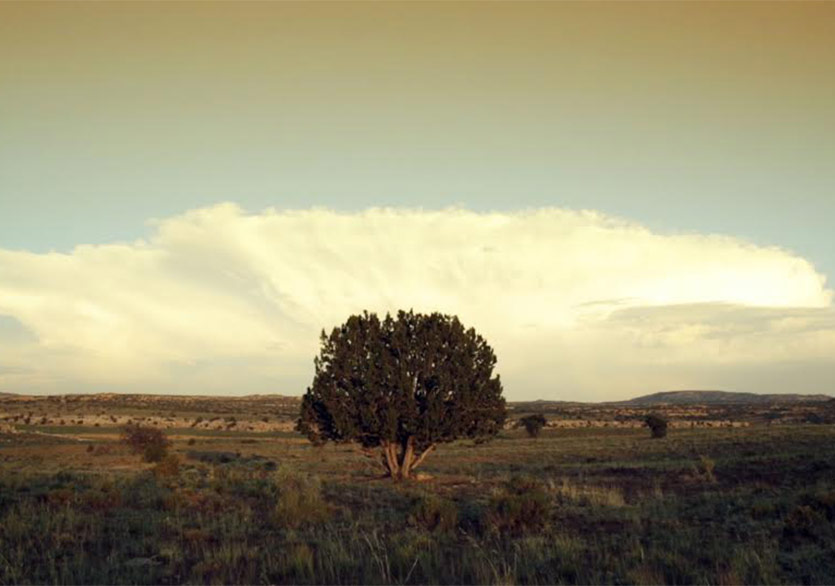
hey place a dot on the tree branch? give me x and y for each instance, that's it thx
(423, 456)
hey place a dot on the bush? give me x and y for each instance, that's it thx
(523, 505)
(167, 467)
(533, 424)
(434, 513)
(706, 468)
(657, 425)
(803, 522)
(148, 441)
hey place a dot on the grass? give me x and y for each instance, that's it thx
(87, 430)
(702, 506)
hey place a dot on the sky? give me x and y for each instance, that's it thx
(622, 197)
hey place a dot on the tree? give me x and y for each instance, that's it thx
(533, 424)
(402, 385)
(148, 441)
(657, 425)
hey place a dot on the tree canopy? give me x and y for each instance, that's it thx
(657, 425)
(533, 424)
(402, 384)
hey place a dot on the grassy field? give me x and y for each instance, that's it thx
(702, 506)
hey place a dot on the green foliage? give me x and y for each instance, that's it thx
(300, 502)
(404, 384)
(533, 424)
(151, 442)
(434, 513)
(657, 425)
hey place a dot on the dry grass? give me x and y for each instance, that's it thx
(587, 505)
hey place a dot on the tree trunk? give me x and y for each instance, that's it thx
(404, 461)
(390, 454)
(400, 463)
(408, 457)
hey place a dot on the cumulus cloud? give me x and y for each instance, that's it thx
(577, 304)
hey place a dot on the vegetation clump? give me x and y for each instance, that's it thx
(434, 513)
(533, 424)
(300, 502)
(593, 514)
(706, 468)
(151, 443)
(402, 385)
(657, 425)
(167, 467)
(523, 505)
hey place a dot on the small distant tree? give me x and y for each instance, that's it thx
(402, 385)
(533, 424)
(657, 425)
(150, 442)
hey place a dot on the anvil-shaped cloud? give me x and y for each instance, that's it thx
(578, 305)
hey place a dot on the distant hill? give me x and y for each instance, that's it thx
(289, 404)
(543, 406)
(718, 398)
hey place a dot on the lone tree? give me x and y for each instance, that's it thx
(150, 442)
(657, 425)
(533, 424)
(402, 385)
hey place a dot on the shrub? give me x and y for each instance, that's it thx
(522, 505)
(150, 442)
(154, 452)
(473, 517)
(434, 513)
(167, 467)
(533, 424)
(706, 468)
(657, 425)
(803, 522)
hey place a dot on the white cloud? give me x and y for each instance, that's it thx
(576, 304)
